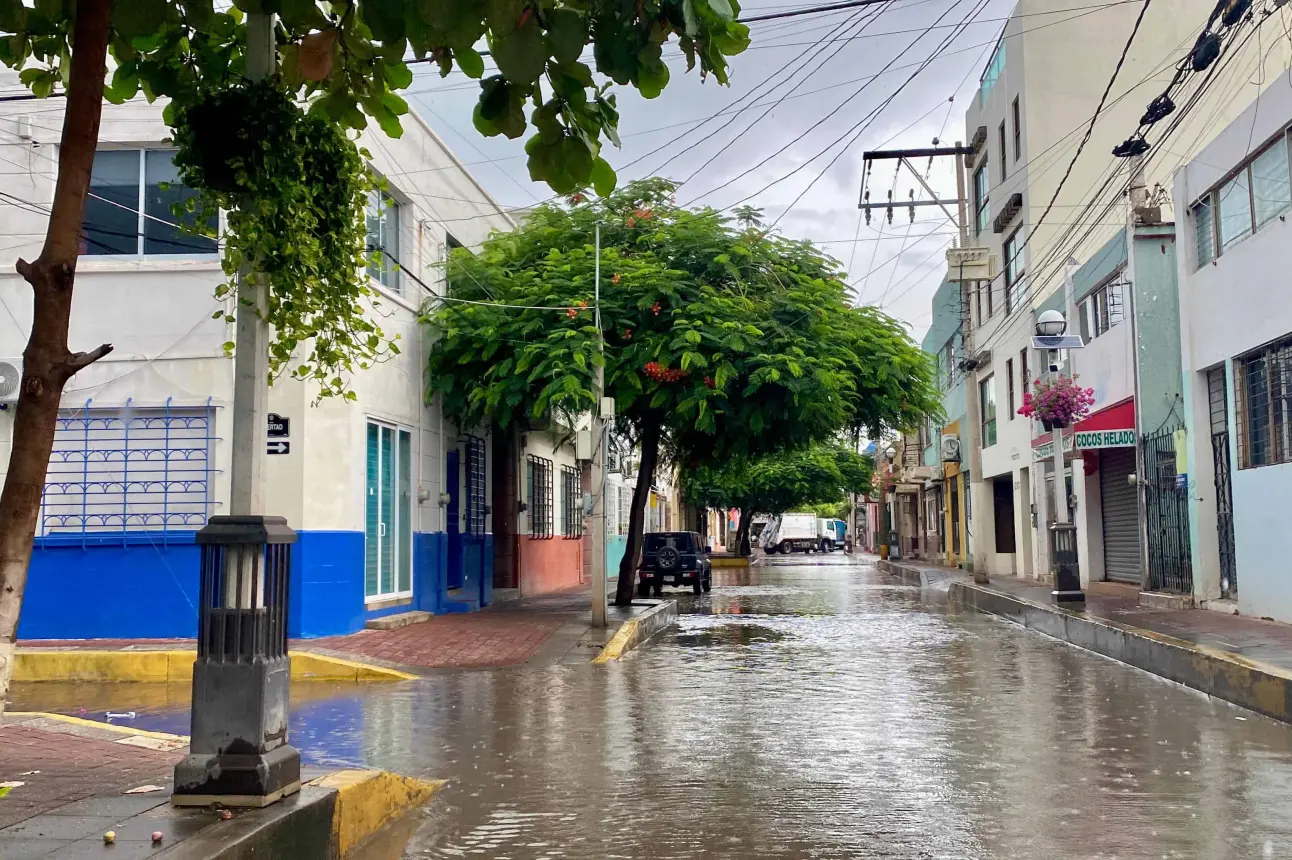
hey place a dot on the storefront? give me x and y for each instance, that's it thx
(1106, 441)
(1102, 499)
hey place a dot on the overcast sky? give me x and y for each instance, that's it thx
(821, 64)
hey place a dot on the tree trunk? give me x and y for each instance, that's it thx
(47, 361)
(636, 520)
(742, 534)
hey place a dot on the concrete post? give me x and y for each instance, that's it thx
(598, 477)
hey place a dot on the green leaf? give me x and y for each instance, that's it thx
(567, 32)
(13, 16)
(385, 19)
(399, 76)
(721, 8)
(521, 54)
(469, 61)
(603, 177)
(301, 16)
(138, 17)
(503, 14)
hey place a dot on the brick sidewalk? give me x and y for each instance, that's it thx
(62, 765)
(502, 635)
(505, 634)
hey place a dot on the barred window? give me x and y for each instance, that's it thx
(475, 469)
(538, 493)
(133, 469)
(625, 508)
(1263, 394)
(572, 503)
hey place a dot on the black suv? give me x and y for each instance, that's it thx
(674, 558)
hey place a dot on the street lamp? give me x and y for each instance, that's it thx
(1051, 323)
(1063, 534)
(889, 520)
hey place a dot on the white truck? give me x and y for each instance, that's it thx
(790, 532)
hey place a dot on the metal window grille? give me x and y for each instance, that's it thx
(625, 508)
(540, 497)
(1166, 511)
(114, 471)
(475, 474)
(1216, 401)
(572, 496)
(1263, 395)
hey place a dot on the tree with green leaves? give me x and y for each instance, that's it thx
(718, 340)
(805, 479)
(267, 153)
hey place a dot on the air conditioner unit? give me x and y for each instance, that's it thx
(10, 378)
(950, 449)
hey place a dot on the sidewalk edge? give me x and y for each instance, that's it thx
(369, 800)
(636, 631)
(1250, 684)
(38, 665)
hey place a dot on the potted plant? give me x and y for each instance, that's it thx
(1058, 402)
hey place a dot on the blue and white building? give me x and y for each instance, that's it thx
(391, 503)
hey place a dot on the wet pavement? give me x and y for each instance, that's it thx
(807, 708)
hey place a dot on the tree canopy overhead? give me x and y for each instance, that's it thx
(721, 340)
(350, 58)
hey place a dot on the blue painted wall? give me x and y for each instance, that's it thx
(147, 586)
(98, 588)
(616, 546)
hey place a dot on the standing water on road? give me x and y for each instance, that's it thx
(811, 708)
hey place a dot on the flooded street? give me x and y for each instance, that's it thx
(811, 708)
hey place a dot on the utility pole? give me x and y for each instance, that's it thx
(238, 752)
(597, 514)
(973, 416)
(967, 266)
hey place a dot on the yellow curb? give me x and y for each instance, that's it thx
(51, 664)
(729, 562)
(368, 800)
(621, 642)
(95, 724)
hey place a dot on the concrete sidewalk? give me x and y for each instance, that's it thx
(70, 783)
(1246, 661)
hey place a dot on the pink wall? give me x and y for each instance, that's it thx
(550, 564)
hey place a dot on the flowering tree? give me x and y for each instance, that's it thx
(1057, 402)
(720, 341)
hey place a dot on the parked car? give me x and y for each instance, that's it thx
(674, 558)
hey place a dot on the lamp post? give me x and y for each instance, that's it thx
(889, 520)
(1063, 534)
(238, 752)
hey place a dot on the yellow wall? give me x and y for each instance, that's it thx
(951, 476)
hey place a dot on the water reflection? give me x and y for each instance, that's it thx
(814, 710)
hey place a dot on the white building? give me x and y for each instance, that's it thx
(390, 503)
(1236, 338)
(1036, 99)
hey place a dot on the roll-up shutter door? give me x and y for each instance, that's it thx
(1122, 560)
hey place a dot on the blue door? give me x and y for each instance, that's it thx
(453, 522)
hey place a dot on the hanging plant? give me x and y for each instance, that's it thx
(295, 188)
(1057, 402)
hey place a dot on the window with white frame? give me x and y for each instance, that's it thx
(1013, 270)
(982, 214)
(388, 512)
(129, 209)
(1257, 193)
(382, 215)
(1104, 308)
(129, 469)
(987, 406)
(625, 508)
